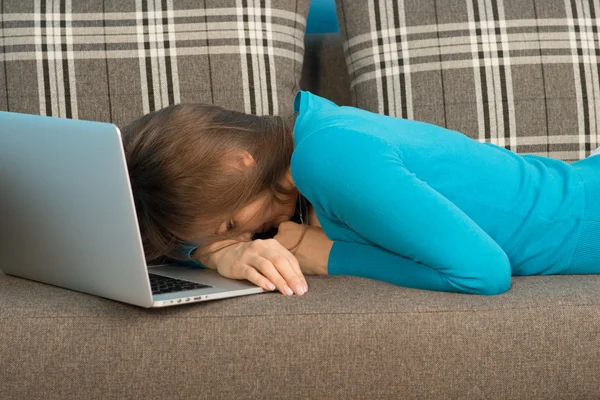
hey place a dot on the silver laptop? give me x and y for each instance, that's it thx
(67, 217)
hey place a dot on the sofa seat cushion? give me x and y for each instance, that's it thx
(348, 337)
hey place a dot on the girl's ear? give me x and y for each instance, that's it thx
(239, 159)
(246, 159)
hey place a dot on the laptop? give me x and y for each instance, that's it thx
(67, 217)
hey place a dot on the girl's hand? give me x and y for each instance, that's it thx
(262, 262)
(313, 251)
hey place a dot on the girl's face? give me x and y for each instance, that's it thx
(254, 217)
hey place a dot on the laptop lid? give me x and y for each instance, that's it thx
(67, 215)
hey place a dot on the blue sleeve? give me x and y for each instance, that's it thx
(184, 253)
(188, 263)
(420, 238)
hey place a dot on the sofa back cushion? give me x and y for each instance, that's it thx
(523, 74)
(114, 60)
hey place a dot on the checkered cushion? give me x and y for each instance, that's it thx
(114, 60)
(523, 74)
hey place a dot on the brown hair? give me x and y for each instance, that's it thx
(181, 180)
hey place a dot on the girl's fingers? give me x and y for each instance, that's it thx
(295, 265)
(258, 279)
(293, 277)
(274, 270)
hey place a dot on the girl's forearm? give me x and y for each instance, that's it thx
(313, 254)
(209, 254)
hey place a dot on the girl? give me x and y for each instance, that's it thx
(398, 200)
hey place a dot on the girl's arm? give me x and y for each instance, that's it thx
(421, 239)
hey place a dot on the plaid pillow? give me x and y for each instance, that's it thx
(522, 74)
(114, 60)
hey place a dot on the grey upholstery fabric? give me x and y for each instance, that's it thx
(324, 69)
(347, 338)
(114, 60)
(523, 74)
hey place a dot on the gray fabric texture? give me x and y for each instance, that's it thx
(116, 60)
(522, 74)
(324, 70)
(347, 338)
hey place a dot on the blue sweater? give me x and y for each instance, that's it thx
(422, 206)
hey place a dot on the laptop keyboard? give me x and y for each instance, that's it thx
(163, 284)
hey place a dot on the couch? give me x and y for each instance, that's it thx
(347, 338)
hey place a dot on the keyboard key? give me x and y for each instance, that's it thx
(163, 284)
